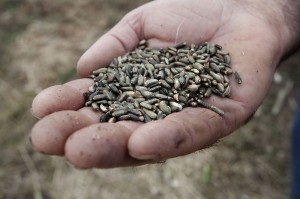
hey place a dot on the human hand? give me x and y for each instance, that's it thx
(256, 46)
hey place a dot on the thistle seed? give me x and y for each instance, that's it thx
(237, 77)
(165, 108)
(149, 113)
(149, 84)
(192, 87)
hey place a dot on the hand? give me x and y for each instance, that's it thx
(71, 130)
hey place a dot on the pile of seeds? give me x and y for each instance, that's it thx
(149, 84)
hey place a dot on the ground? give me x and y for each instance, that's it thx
(41, 42)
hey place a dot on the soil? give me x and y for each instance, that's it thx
(42, 41)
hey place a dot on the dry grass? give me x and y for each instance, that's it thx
(43, 41)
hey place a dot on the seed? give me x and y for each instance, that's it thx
(112, 120)
(227, 59)
(88, 103)
(120, 112)
(228, 71)
(216, 77)
(124, 117)
(175, 106)
(149, 84)
(215, 67)
(140, 88)
(197, 79)
(114, 88)
(152, 101)
(136, 104)
(140, 81)
(161, 96)
(208, 92)
(103, 108)
(176, 84)
(95, 106)
(100, 97)
(135, 118)
(135, 112)
(151, 114)
(104, 102)
(160, 65)
(147, 94)
(221, 87)
(92, 88)
(193, 103)
(164, 107)
(100, 70)
(123, 97)
(142, 42)
(182, 98)
(181, 80)
(180, 45)
(146, 105)
(176, 96)
(227, 91)
(169, 80)
(141, 99)
(192, 87)
(191, 59)
(217, 110)
(198, 66)
(160, 115)
(237, 77)
(217, 92)
(147, 118)
(109, 95)
(212, 50)
(164, 83)
(104, 118)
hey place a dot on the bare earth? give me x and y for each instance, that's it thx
(42, 41)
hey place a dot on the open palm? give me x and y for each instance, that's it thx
(67, 128)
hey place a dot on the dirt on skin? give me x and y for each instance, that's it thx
(43, 41)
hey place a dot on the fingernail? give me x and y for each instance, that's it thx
(73, 165)
(34, 114)
(146, 157)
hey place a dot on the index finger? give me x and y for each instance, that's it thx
(119, 40)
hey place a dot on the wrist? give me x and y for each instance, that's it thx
(283, 19)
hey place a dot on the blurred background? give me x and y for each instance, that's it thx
(40, 43)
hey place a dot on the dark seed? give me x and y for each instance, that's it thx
(237, 77)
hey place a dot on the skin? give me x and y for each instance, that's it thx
(256, 40)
